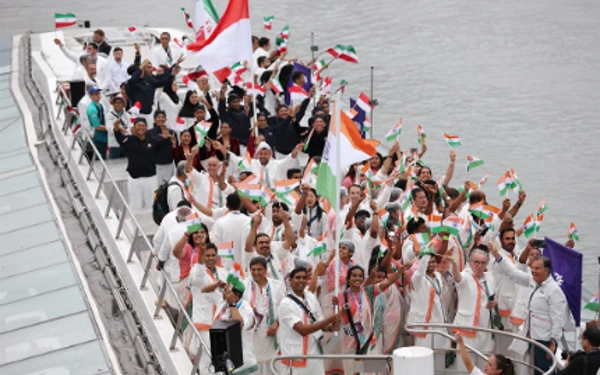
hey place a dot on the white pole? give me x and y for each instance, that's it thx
(338, 220)
(413, 360)
(254, 115)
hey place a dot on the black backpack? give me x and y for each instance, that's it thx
(160, 207)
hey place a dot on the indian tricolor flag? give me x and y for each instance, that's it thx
(538, 222)
(297, 93)
(453, 225)
(201, 132)
(421, 134)
(502, 186)
(266, 196)
(225, 249)
(250, 191)
(245, 164)
(452, 140)
(394, 132)
(285, 186)
(320, 248)
(483, 180)
(542, 207)
(593, 303)
(230, 41)
(252, 179)
(529, 226)
(64, 20)
(268, 22)
(344, 134)
(193, 223)
(473, 162)
(290, 198)
(478, 210)
(434, 222)
(235, 279)
(572, 233)
(308, 139)
(310, 173)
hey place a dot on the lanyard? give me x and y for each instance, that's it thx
(272, 267)
(357, 303)
(438, 290)
(224, 309)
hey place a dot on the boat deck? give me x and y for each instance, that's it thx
(47, 322)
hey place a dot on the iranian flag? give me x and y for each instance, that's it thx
(453, 225)
(434, 222)
(452, 140)
(268, 22)
(254, 89)
(196, 73)
(349, 54)
(326, 86)
(64, 20)
(206, 19)
(297, 93)
(394, 132)
(232, 73)
(190, 83)
(225, 249)
(473, 162)
(280, 45)
(230, 41)
(317, 66)
(336, 51)
(529, 226)
(344, 134)
(285, 33)
(187, 18)
(135, 109)
(572, 233)
(276, 86)
(245, 164)
(421, 134)
(343, 84)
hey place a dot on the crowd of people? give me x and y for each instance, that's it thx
(246, 237)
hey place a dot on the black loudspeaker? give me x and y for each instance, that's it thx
(77, 89)
(226, 344)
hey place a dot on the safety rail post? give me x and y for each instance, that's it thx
(147, 271)
(100, 182)
(196, 359)
(121, 222)
(91, 165)
(161, 298)
(111, 198)
(180, 315)
(83, 148)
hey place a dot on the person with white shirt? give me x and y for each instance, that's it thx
(231, 228)
(176, 192)
(209, 188)
(264, 166)
(497, 364)
(264, 295)
(547, 309)
(165, 53)
(103, 74)
(207, 281)
(117, 115)
(167, 260)
(264, 45)
(118, 69)
(475, 288)
(301, 326)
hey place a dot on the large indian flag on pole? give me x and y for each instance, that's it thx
(343, 133)
(230, 41)
(64, 20)
(205, 20)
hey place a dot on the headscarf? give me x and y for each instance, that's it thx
(168, 89)
(188, 108)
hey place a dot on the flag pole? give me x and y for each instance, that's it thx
(254, 114)
(373, 103)
(313, 49)
(338, 219)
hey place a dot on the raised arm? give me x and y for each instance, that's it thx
(518, 276)
(464, 354)
(179, 249)
(515, 209)
(395, 276)
(450, 170)
(256, 221)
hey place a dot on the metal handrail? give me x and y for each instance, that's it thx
(411, 328)
(96, 157)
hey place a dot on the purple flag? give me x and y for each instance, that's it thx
(567, 269)
(306, 71)
(359, 118)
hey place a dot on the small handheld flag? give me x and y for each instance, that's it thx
(452, 140)
(473, 162)
(268, 22)
(572, 233)
(188, 19)
(394, 132)
(421, 134)
(64, 20)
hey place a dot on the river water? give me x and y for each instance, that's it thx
(518, 81)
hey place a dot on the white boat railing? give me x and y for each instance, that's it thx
(145, 338)
(108, 186)
(383, 363)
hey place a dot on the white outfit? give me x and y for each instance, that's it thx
(102, 70)
(171, 265)
(426, 305)
(160, 57)
(141, 192)
(279, 264)
(231, 228)
(506, 293)
(111, 117)
(207, 191)
(118, 74)
(275, 170)
(164, 172)
(82, 108)
(172, 110)
(175, 193)
(292, 343)
(264, 303)
(255, 55)
(169, 221)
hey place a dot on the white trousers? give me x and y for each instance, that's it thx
(141, 192)
(164, 172)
